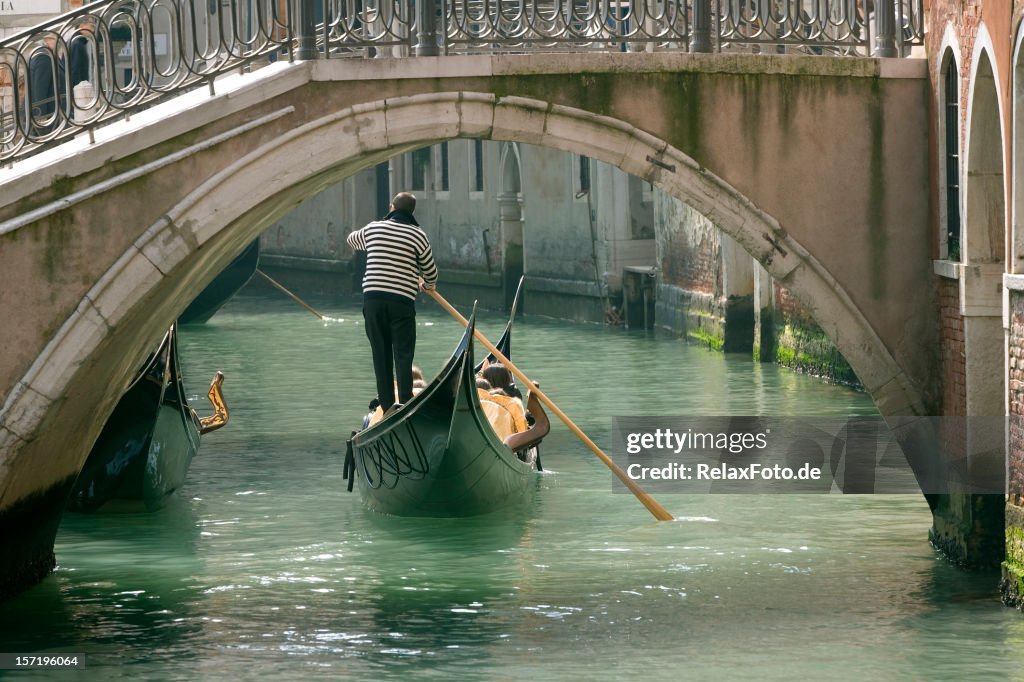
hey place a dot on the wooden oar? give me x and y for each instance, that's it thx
(294, 297)
(652, 505)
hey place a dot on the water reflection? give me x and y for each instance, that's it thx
(119, 577)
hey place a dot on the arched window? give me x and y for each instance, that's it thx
(951, 96)
(582, 180)
(477, 164)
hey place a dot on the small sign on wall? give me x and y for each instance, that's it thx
(14, 7)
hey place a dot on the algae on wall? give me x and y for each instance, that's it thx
(802, 345)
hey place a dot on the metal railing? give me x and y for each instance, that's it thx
(113, 57)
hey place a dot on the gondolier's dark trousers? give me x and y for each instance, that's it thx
(391, 329)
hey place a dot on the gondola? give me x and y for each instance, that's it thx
(438, 455)
(223, 287)
(144, 451)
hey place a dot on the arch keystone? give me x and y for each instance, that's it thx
(520, 119)
(476, 114)
(421, 117)
(367, 123)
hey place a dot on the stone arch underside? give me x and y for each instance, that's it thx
(985, 215)
(148, 283)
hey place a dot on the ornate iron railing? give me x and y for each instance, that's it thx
(112, 57)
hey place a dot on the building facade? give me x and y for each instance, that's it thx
(974, 55)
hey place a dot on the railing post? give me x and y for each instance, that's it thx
(305, 32)
(700, 39)
(426, 28)
(885, 29)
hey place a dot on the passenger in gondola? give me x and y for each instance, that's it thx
(501, 380)
(506, 415)
(522, 442)
(418, 382)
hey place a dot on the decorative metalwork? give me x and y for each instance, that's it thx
(115, 56)
(390, 457)
(367, 27)
(472, 25)
(112, 57)
(811, 23)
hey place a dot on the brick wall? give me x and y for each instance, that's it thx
(1016, 393)
(965, 17)
(786, 304)
(693, 262)
(954, 367)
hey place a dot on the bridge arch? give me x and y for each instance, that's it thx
(151, 280)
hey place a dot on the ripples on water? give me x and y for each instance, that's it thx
(263, 566)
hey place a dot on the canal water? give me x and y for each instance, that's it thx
(264, 567)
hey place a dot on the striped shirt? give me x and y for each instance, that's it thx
(397, 254)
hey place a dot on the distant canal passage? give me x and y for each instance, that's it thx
(264, 567)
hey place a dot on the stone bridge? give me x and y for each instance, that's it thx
(818, 166)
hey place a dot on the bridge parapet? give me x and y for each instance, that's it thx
(113, 58)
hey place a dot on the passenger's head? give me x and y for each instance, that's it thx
(417, 374)
(404, 201)
(483, 383)
(498, 376)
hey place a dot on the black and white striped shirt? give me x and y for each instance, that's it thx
(397, 254)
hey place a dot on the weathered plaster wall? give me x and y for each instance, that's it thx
(316, 228)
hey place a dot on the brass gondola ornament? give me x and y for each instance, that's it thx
(220, 407)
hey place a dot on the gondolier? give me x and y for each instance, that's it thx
(398, 259)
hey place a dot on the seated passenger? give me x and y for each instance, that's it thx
(518, 442)
(376, 414)
(418, 383)
(500, 379)
(506, 414)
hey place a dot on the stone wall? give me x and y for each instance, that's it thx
(689, 295)
(801, 345)
(967, 528)
(1012, 585)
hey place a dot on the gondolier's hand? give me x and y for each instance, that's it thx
(426, 286)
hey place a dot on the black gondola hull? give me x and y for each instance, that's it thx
(225, 285)
(145, 449)
(438, 455)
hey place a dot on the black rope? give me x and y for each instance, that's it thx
(349, 469)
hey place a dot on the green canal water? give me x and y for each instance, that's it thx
(264, 567)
